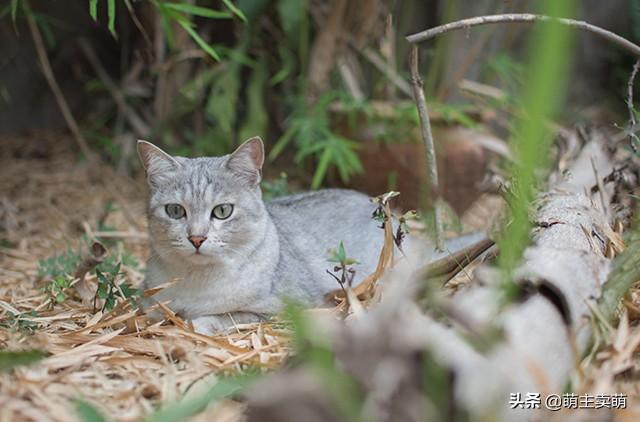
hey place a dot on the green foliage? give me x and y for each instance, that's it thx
(88, 413)
(315, 351)
(235, 10)
(174, 12)
(60, 270)
(183, 409)
(56, 288)
(547, 75)
(312, 131)
(109, 290)
(635, 19)
(190, 9)
(10, 360)
(272, 189)
(339, 256)
(292, 14)
(62, 265)
(20, 322)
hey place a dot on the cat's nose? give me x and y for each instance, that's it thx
(197, 240)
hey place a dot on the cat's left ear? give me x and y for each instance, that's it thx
(246, 161)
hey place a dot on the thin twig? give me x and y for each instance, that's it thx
(523, 18)
(57, 92)
(393, 76)
(427, 137)
(140, 128)
(633, 138)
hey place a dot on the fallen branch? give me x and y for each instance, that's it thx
(530, 346)
(427, 138)
(523, 18)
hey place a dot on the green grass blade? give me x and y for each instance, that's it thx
(88, 413)
(202, 43)
(14, 10)
(10, 360)
(111, 14)
(93, 9)
(183, 409)
(548, 67)
(235, 10)
(323, 165)
(198, 10)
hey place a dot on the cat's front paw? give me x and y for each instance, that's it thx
(220, 324)
(212, 324)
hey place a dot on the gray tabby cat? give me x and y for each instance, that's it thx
(235, 257)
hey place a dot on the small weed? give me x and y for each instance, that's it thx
(20, 322)
(275, 188)
(59, 265)
(56, 289)
(60, 271)
(343, 267)
(110, 291)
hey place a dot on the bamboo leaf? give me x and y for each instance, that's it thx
(235, 10)
(256, 120)
(93, 9)
(191, 9)
(323, 165)
(88, 413)
(10, 360)
(14, 11)
(291, 14)
(185, 408)
(196, 37)
(111, 14)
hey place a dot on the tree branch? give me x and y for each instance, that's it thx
(523, 18)
(427, 137)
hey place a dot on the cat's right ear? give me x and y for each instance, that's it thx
(154, 160)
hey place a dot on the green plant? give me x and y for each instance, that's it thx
(185, 408)
(315, 351)
(548, 65)
(180, 13)
(62, 265)
(60, 270)
(88, 413)
(56, 288)
(314, 137)
(20, 322)
(276, 187)
(109, 290)
(343, 267)
(10, 360)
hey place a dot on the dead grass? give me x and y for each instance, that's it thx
(118, 361)
(115, 360)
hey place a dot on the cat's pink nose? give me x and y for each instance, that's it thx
(197, 240)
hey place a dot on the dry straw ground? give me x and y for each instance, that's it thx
(116, 360)
(111, 359)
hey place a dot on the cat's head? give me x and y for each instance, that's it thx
(204, 210)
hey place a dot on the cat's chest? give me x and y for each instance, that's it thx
(208, 291)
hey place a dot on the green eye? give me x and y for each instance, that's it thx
(222, 211)
(175, 211)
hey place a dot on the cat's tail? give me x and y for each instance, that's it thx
(456, 253)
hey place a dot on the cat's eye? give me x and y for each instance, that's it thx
(175, 211)
(222, 211)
